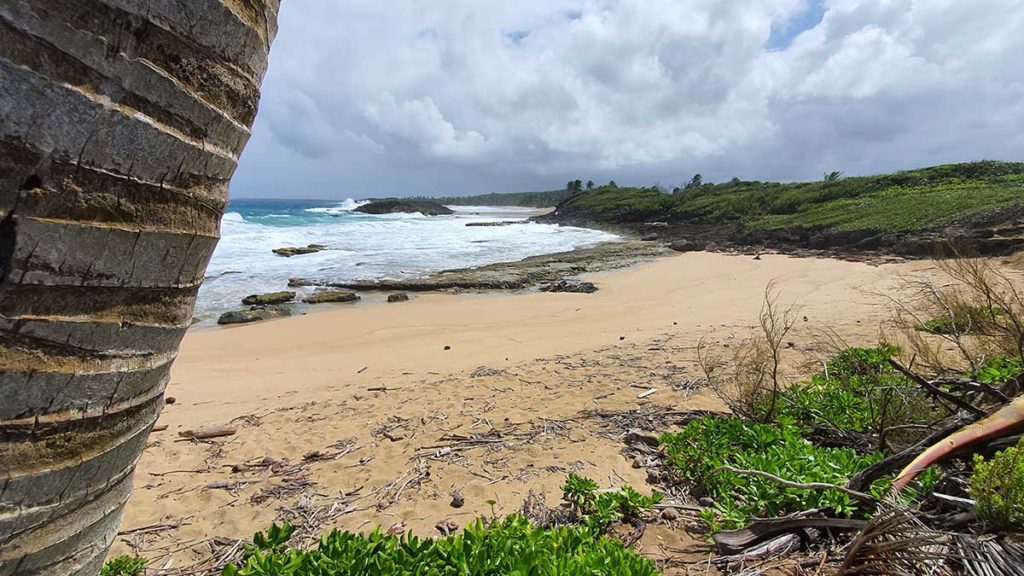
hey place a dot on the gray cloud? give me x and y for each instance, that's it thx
(409, 97)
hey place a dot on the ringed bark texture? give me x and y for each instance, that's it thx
(121, 122)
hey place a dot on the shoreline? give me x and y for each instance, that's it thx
(352, 399)
(511, 277)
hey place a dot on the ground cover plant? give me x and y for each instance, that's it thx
(597, 509)
(708, 451)
(123, 565)
(507, 546)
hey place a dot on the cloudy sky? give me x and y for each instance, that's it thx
(396, 97)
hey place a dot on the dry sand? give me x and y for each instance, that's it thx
(521, 370)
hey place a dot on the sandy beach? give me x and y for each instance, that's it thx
(360, 416)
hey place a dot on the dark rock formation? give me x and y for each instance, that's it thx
(400, 297)
(532, 271)
(686, 246)
(330, 296)
(501, 223)
(405, 206)
(290, 251)
(268, 298)
(569, 286)
(254, 314)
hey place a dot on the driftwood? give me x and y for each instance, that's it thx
(779, 546)
(737, 541)
(208, 432)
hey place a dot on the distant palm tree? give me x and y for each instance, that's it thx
(120, 126)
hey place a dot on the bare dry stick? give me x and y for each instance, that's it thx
(918, 379)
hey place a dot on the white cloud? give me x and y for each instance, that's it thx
(367, 97)
(420, 122)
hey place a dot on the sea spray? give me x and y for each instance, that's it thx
(363, 246)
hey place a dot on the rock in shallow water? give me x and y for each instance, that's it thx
(254, 314)
(400, 297)
(391, 206)
(268, 298)
(331, 296)
(290, 251)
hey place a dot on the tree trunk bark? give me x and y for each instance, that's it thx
(121, 122)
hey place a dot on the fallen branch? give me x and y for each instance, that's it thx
(957, 401)
(208, 432)
(740, 541)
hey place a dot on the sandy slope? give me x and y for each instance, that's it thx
(297, 386)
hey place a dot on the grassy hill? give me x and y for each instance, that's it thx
(546, 199)
(899, 202)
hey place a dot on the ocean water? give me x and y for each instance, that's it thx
(363, 246)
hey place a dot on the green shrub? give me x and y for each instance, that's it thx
(703, 446)
(963, 319)
(997, 486)
(858, 391)
(504, 547)
(599, 509)
(123, 565)
(998, 371)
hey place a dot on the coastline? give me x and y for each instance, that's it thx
(378, 381)
(525, 275)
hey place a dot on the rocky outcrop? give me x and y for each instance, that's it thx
(400, 297)
(324, 296)
(686, 246)
(405, 206)
(268, 298)
(290, 251)
(254, 314)
(525, 273)
(501, 223)
(570, 286)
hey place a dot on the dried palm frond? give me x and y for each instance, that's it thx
(897, 543)
(1006, 421)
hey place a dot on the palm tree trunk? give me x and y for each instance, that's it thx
(121, 122)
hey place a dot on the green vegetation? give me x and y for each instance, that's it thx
(123, 565)
(546, 199)
(858, 401)
(599, 509)
(997, 486)
(899, 202)
(509, 546)
(963, 319)
(704, 446)
(998, 371)
(858, 391)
